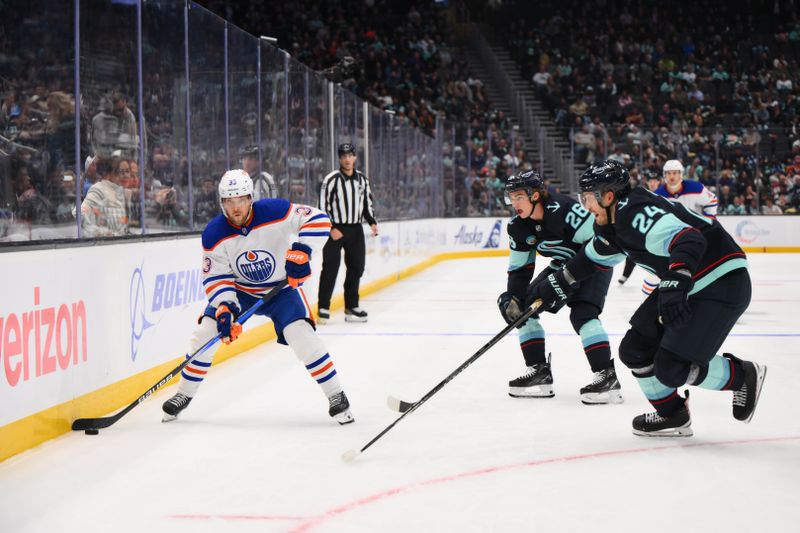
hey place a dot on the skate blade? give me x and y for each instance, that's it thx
(322, 321)
(344, 418)
(168, 418)
(351, 318)
(762, 375)
(601, 398)
(682, 431)
(539, 391)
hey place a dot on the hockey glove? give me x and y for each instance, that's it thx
(673, 298)
(298, 268)
(553, 291)
(228, 329)
(510, 307)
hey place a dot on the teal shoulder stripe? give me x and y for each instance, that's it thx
(661, 234)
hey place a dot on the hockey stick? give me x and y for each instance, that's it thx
(349, 455)
(83, 424)
(401, 406)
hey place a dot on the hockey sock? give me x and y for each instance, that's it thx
(720, 374)
(531, 341)
(195, 372)
(665, 400)
(595, 344)
(308, 347)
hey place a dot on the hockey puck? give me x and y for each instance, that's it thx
(92, 431)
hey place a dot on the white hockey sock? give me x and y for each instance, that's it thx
(311, 351)
(195, 372)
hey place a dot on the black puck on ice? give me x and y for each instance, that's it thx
(92, 431)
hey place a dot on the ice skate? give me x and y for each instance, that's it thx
(604, 389)
(678, 424)
(355, 314)
(339, 409)
(746, 398)
(174, 406)
(536, 382)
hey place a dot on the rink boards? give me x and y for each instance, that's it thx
(86, 330)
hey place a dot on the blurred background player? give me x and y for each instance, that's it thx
(692, 194)
(240, 248)
(347, 199)
(676, 332)
(263, 182)
(555, 226)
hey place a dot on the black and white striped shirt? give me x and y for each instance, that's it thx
(347, 199)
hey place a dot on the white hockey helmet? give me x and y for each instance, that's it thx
(673, 164)
(235, 183)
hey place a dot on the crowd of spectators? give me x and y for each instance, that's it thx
(402, 58)
(650, 81)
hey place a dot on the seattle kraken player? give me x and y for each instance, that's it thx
(554, 226)
(703, 276)
(240, 247)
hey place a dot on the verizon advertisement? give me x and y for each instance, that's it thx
(73, 320)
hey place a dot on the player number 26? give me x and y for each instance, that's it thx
(576, 215)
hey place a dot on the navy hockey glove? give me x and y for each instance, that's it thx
(228, 329)
(510, 307)
(298, 266)
(673, 297)
(553, 291)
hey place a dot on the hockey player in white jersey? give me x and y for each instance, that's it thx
(691, 194)
(241, 251)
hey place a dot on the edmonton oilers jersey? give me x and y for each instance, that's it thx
(251, 258)
(648, 228)
(694, 196)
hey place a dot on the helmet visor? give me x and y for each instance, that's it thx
(590, 199)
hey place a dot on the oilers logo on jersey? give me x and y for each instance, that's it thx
(255, 265)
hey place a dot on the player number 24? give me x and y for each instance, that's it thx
(644, 221)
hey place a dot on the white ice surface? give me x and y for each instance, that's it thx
(256, 450)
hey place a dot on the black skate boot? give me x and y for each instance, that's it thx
(604, 389)
(536, 382)
(355, 314)
(746, 398)
(174, 406)
(323, 315)
(339, 408)
(678, 424)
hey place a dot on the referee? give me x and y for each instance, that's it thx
(347, 199)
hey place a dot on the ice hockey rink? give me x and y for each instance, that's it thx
(256, 450)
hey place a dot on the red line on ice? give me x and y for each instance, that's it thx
(314, 521)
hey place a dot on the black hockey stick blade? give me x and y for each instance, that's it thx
(82, 424)
(350, 455)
